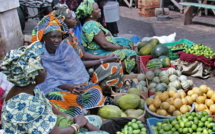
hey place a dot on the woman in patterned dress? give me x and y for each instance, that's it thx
(26, 110)
(98, 40)
(107, 72)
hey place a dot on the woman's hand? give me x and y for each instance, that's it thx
(112, 58)
(73, 88)
(80, 120)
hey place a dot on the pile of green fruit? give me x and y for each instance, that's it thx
(179, 46)
(199, 49)
(189, 123)
(133, 127)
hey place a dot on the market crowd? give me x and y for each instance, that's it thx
(59, 81)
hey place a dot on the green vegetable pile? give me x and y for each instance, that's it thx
(190, 123)
(133, 127)
(199, 49)
(179, 46)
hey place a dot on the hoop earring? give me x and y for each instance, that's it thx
(33, 82)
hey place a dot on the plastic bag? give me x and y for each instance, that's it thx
(162, 39)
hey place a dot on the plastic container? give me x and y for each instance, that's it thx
(150, 114)
(111, 11)
(152, 121)
(145, 59)
(185, 41)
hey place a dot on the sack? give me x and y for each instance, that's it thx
(195, 69)
(129, 83)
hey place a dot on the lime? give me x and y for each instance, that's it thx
(188, 124)
(210, 125)
(176, 126)
(193, 114)
(190, 130)
(180, 130)
(174, 122)
(175, 133)
(133, 120)
(181, 124)
(141, 125)
(194, 126)
(190, 118)
(200, 124)
(210, 131)
(195, 121)
(158, 124)
(134, 126)
(210, 119)
(143, 129)
(167, 127)
(161, 131)
(203, 119)
(199, 129)
(173, 129)
(178, 118)
(139, 122)
(185, 130)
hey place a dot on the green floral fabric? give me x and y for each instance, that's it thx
(92, 28)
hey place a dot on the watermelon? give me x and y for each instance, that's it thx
(154, 64)
(159, 50)
(165, 61)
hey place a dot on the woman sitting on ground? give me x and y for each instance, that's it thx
(66, 84)
(25, 109)
(107, 72)
(98, 40)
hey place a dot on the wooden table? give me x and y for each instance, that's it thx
(189, 15)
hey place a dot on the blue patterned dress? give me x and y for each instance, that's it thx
(25, 113)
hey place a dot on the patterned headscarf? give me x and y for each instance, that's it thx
(85, 8)
(23, 64)
(57, 17)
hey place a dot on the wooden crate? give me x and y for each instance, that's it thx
(146, 12)
(148, 3)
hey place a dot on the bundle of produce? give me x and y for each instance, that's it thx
(199, 49)
(125, 105)
(179, 46)
(204, 98)
(162, 80)
(133, 127)
(190, 123)
(146, 47)
(169, 103)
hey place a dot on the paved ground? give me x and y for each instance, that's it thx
(131, 24)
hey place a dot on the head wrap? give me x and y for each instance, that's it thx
(23, 64)
(85, 8)
(61, 11)
(57, 17)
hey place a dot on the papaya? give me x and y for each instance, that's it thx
(142, 44)
(154, 40)
(136, 113)
(147, 49)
